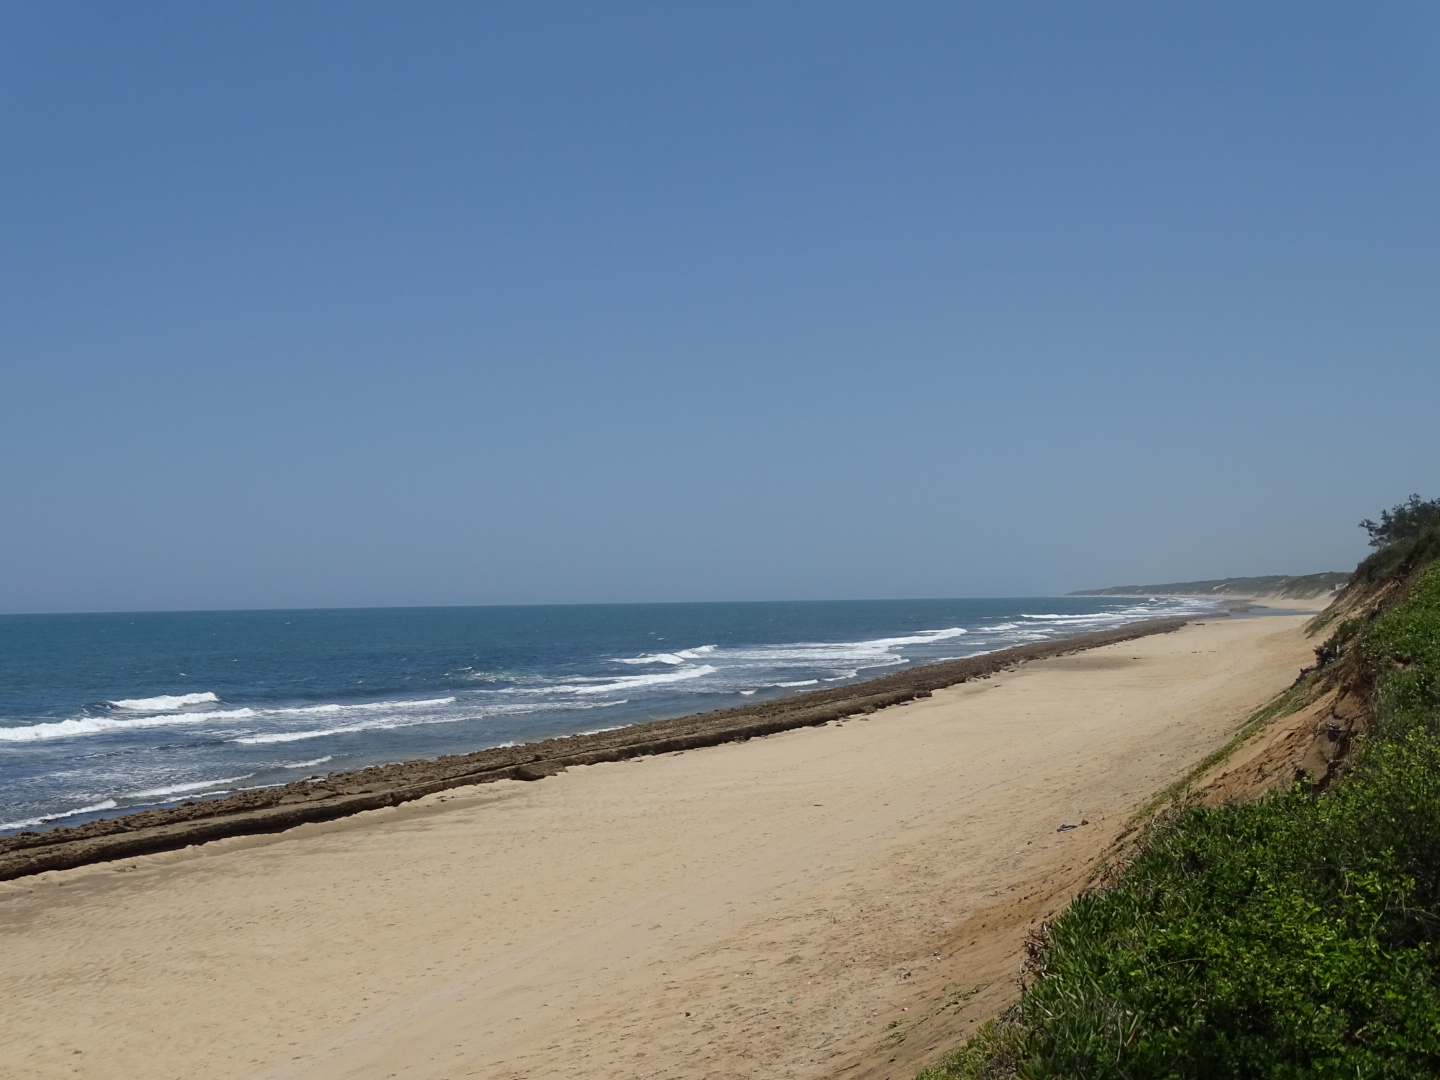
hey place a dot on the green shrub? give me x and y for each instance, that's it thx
(990, 1054)
(1403, 522)
(1400, 557)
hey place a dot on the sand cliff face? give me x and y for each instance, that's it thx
(1313, 744)
(341, 794)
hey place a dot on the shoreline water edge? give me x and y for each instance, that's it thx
(342, 794)
(113, 714)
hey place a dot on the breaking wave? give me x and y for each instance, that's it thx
(107, 804)
(391, 724)
(93, 725)
(165, 701)
(669, 658)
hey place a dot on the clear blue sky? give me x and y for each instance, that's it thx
(310, 304)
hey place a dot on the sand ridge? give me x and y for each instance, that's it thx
(800, 905)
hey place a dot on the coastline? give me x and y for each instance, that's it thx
(1240, 602)
(824, 902)
(342, 794)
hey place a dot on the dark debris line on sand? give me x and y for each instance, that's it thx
(341, 794)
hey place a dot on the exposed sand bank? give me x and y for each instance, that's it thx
(789, 894)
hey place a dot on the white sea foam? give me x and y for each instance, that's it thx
(623, 683)
(330, 709)
(365, 707)
(726, 669)
(298, 736)
(164, 702)
(820, 651)
(390, 723)
(668, 658)
(94, 725)
(334, 709)
(175, 789)
(1122, 615)
(924, 637)
(108, 804)
(1104, 616)
(207, 794)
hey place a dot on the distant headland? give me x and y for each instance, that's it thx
(1280, 586)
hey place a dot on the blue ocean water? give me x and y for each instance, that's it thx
(106, 714)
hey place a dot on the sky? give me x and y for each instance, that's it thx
(359, 304)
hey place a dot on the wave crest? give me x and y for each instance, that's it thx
(108, 804)
(164, 702)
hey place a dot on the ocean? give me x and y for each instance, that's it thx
(107, 714)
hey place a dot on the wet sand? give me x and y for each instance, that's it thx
(799, 905)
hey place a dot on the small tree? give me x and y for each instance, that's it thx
(1402, 522)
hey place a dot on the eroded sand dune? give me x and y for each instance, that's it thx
(802, 905)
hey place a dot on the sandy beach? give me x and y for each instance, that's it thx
(842, 901)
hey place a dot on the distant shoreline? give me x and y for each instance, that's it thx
(1233, 602)
(1320, 587)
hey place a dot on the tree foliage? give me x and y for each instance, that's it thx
(1403, 522)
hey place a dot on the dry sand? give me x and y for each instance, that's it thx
(803, 905)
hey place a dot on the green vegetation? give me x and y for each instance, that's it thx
(1296, 588)
(1403, 522)
(1296, 936)
(1398, 560)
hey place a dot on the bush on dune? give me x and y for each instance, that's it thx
(1406, 536)
(1403, 522)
